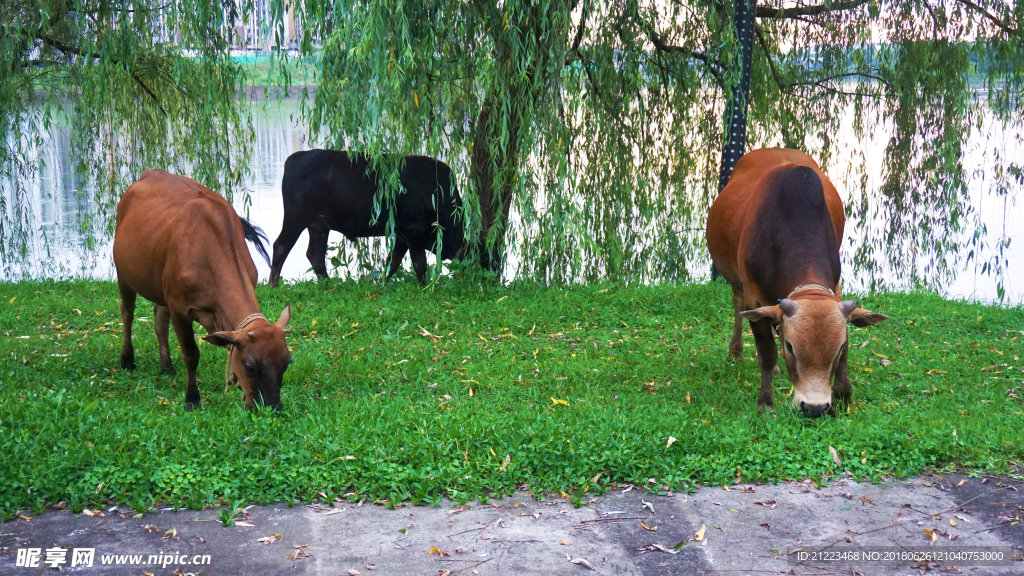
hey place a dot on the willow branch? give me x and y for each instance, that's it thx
(797, 11)
(985, 13)
(661, 46)
(71, 49)
(768, 56)
(583, 26)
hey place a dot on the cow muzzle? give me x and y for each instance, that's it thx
(816, 410)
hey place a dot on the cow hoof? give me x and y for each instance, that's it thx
(128, 361)
(766, 409)
(189, 406)
(776, 370)
(169, 371)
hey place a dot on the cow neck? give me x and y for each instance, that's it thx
(233, 314)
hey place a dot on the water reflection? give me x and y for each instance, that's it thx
(61, 204)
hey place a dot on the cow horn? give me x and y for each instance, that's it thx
(788, 306)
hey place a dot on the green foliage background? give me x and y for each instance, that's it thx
(586, 134)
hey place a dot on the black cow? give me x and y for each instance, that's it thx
(326, 190)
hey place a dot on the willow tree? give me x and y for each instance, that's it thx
(590, 132)
(130, 85)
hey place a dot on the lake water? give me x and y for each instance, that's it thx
(55, 204)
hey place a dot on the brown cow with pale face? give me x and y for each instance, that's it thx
(774, 234)
(182, 246)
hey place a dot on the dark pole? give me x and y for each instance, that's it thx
(735, 140)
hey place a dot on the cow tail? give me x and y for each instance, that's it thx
(257, 236)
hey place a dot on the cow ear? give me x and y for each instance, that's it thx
(772, 312)
(861, 318)
(223, 339)
(286, 315)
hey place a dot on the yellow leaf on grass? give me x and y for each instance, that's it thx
(11, 301)
(879, 355)
(492, 452)
(556, 401)
(700, 533)
(687, 397)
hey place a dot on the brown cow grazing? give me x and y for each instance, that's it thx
(774, 233)
(182, 246)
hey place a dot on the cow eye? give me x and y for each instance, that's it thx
(250, 369)
(789, 346)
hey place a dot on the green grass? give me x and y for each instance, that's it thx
(937, 385)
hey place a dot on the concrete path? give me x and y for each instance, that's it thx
(745, 530)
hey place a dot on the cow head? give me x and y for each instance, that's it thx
(258, 358)
(814, 338)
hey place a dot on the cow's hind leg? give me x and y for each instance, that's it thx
(190, 354)
(127, 317)
(736, 344)
(316, 253)
(161, 325)
(290, 231)
(419, 264)
(768, 354)
(397, 253)
(842, 390)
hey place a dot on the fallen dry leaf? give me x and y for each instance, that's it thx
(244, 524)
(582, 562)
(353, 571)
(440, 553)
(170, 533)
(646, 527)
(835, 456)
(270, 539)
(700, 533)
(564, 542)
(671, 439)
(646, 504)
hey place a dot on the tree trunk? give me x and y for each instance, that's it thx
(493, 170)
(735, 139)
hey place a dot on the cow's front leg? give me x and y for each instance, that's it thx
(768, 354)
(190, 354)
(230, 380)
(842, 390)
(395, 259)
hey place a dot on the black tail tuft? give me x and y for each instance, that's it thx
(714, 273)
(257, 236)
